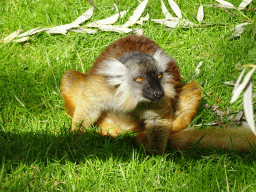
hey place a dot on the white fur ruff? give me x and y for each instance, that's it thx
(162, 59)
(117, 75)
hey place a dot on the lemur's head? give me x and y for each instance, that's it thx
(139, 76)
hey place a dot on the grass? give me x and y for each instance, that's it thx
(38, 153)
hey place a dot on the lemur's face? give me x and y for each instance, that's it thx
(139, 75)
(144, 75)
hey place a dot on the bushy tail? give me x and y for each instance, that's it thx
(228, 137)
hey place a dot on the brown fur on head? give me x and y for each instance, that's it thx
(140, 44)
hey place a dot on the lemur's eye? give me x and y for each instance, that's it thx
(138, 79)
(160, 76)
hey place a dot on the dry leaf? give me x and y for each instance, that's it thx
(27, 33)
(187, 23)
(165, 11)
(200, 14)
(215, 109)
(21, 39)
(138, 31)
(175, 8)
(197, 70)
(206, 124)
(239, 29)
(33, 32)
(122, 14)
(136, 14)
(238, 80)
(11, 36)
(211, 5)
(232, 83)
(228, 111)
(219, 113)
(174, 23)
(166, 22)
(115, 28)
(87, 15)
(238, 117)
(143, 19)
(241, 87)
(116, 8)
(248, 106)
(83, 30)
(57, 30)
(226, 4)
(244, 4)
(20, 102)
(62, 29)
(110, 20)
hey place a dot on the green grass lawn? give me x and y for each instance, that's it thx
(37, 151)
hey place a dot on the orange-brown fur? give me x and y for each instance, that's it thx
(187, 104)
(226, 137)
(113, 124)
(178, 111)
(230, 137)
(153, 119)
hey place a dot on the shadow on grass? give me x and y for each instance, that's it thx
(30, 147)
(46, 146)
